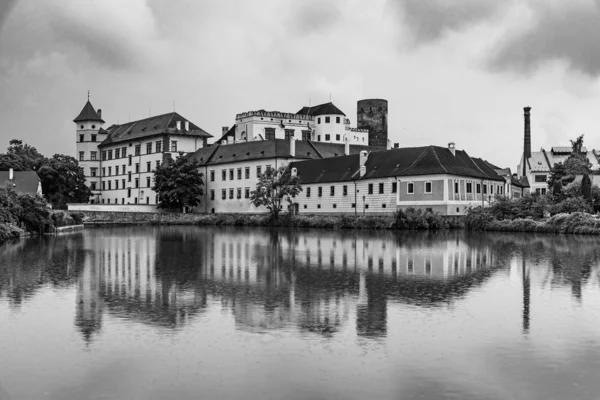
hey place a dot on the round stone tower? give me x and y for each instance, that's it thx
(372, 114)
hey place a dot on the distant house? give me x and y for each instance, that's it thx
(23, 182)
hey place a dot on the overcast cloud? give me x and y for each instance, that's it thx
(451, 70)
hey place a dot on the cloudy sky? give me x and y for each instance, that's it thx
(452, 70)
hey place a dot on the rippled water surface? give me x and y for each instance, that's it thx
(230, 313)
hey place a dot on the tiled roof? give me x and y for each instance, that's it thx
(488, 168)
(265, 149)
(88, 113)
(538, 162)
(543, 161)
(157, 125)
(321, 109)
(410, 161)
(23, 181)
(327, 150)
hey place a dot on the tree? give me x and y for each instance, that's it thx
(586, 188)
(63, 181)
(179, 183)
(576, 164)
(274, 187)
(21, 157)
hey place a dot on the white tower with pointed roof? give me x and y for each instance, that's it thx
(89, 135)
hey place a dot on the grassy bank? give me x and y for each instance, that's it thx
(578, 222)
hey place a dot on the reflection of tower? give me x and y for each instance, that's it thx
(372, 114)
(371, 318)
(90, 306)
(526, 296)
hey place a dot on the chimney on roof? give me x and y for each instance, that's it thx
(294, 171)
(187, 125)
(362, 160)
(388, 145)
(229, 140)
(11, 174)
(224, 130)
(527, 138)
(99, 112)
(178, 125)
(346, 146)
(396, 145)
(292, 147)
(223, 141)
(452, 148)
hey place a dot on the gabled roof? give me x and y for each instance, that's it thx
(489, 169)
(409, 161)
(88, 113)
(26, 182)
(230, 133)
(321, 109)
(157, 125)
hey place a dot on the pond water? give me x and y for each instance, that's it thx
(231, 313)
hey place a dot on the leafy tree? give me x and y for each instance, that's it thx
(179, 183)
(275, 186)
(576, 164)
(63, 181)
(21, 157)
(586, 188)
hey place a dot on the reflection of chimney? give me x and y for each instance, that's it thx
(452, 148)
(10, 174)
(527, 138)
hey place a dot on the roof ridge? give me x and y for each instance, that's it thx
(438, 159)
(477, 166)
(313, 146)
(547, 159)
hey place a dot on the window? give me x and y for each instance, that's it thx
(345, 190)
(212, 194)
(239, 173)
(135, 200)
(428, 267)
(305, 135)
(129, 177)
(427, 187)
(148, 148)
(410, 188)
(93, 185)
(318, 138)
(491, 189)
(334, 205)
(381, 188)
(103, 155)
(137, 182)
(332, 191)
(394, 187)
(258, 170)
(128, 192)
(158, 146)
(247, 171)
(231, 193)
(123, 152)
(223, 194)
(103, 171)
(366, 206)
(478, 188)
(173, 145)
(383, 205)
(81, 155)
(327, 137)
(540, 178)
(337, 120)
(456, 187)
(109, 171)
(370, 188)
(148, 181)
(269, 133)
(353, 205)
(93, 138)
(116, 183)
(93, 126)
(247, 193)
(268, 167)
(81, 138)
(130, 160)
(223, 174)
(410, 266)
(148, 166)
(108, 200)
(320, 191)
(137, 149)
(231, 174)
(289, 133)
(327, 120)
(484, 188)
(318, 121)
(103, 185)
(239, 193)
(123, 183)
(469, 187)
(212, 175)
(110, 153)
(80, 126)
(93, 171)
(307, 192)
(137, 168)
(93, 155)
(117, 153)
(543, 191)
(157, 163)
(337, 137)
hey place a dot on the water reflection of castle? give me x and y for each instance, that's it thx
(270, 279)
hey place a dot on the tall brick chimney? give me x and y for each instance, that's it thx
(527, 138)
